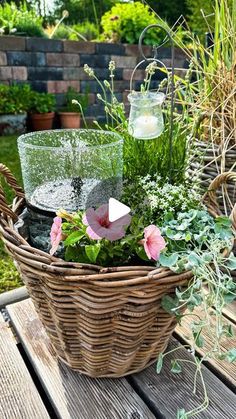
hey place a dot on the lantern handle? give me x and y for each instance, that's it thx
(142, 62)
(172, 84)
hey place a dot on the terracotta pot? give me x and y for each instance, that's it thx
(70, 119)
(42, 121)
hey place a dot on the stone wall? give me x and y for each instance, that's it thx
(54, 65)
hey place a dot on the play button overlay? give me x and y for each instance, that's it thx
(116, 210)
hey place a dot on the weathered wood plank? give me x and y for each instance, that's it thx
(72, 394)
(13, 296)
(230, 312)
(19, 398)
(170, 392)
(223, 367)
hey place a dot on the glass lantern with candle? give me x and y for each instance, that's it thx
(146, 119)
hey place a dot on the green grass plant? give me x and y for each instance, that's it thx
(9, 277)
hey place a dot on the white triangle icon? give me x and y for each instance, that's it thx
(117, 210)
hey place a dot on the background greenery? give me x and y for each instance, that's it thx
(9, 277)
(84, 18)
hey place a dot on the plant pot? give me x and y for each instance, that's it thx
(13, 124)
(209, 161)
(42, 121)
(70, 119)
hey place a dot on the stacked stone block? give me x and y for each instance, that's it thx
(54, 65)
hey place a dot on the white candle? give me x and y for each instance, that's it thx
(147, 126)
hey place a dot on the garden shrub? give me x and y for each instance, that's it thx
(62, 32)
(87, 30)
(42, 102)
(20, 20)
(125, 22)
(14, 99)
(82, 10)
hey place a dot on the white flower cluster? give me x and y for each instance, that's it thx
(148, 197)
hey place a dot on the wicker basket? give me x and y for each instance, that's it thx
(207, 162)
(101, 321)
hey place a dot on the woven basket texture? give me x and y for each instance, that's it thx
(207, 162)
(103, 322)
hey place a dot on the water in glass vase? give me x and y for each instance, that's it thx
(75, 193)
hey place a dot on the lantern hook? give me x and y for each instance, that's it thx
(167, 38)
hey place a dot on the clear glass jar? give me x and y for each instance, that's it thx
(71, 169)
(146, 119)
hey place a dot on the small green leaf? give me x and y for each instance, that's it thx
(229, 297)
(169, 304)
(159, 364)
(222, 356)
(223, 220)
(181, 414)
(231, 262)
(141, 253)
(175, 367)
(194, 259)
(92, 251)
(231, 355)
(198, 339)
(168, 261)
(188, 236)
(224, 231)
(74, 238)
(228, 331)
(71, 254)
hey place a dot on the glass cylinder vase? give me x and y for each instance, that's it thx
(71, 169)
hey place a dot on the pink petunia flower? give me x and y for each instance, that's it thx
(56, 234)
(153, 242)
(99, 226)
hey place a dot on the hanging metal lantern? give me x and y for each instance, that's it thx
(146, 117)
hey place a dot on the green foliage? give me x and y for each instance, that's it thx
(153, 156)
(9, 277)
(125, 22)
(79, 97)
(196, 20)
(175, 367)
(206, 95)
(62, 32)
(83, 10)
(20, 20)
(159, 364)
(81, 248)
(189, 233)
(42, 102)
(170, 10)
(211, 286)
(14, 99)
(144, 157)
(9, 156)
(85, 30)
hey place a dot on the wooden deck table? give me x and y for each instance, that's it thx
(34, 384)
